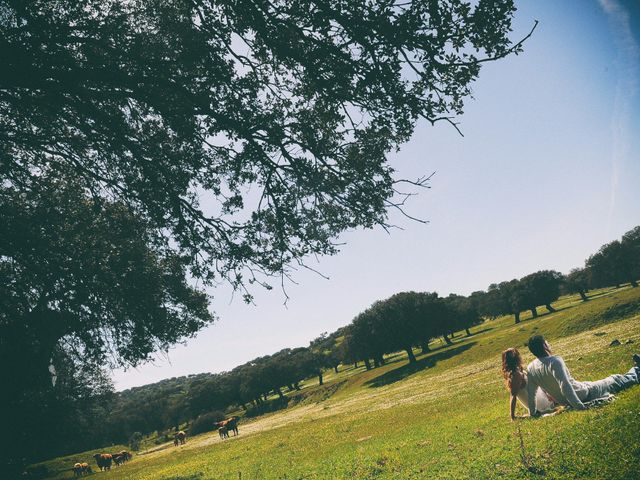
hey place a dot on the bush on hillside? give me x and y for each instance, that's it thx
(134, 441)
(206, 422)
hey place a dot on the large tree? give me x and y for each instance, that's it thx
(84, 277)
(578, 281)
(613, 264)
(250, 133)
(543, 288)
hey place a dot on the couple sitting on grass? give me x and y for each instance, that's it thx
(547, 383)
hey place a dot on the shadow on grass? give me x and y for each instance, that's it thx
(408, 369)
(545, 313)
(485, 329)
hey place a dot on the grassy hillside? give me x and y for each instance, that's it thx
(445, 418)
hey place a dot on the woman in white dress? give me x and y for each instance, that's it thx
(515, 379)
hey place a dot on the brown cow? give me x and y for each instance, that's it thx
(125, 455)
(228, 424)
(181, 437)
(103, 460)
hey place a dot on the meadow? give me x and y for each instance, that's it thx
(444, 418)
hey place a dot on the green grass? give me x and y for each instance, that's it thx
(446, 418)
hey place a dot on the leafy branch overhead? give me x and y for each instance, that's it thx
(248, 133)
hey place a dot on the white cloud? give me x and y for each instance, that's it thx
(628, 66)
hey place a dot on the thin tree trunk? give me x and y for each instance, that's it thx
(335, 368)
(376, 363)
(446, 339)
(367, 364)
(381, 359)
(550, 308)
(279, 392)
(517, 315)
(412, 357)
(468, 332)
(320, 382)
(634, 284)
(424, 347)
(534, 312)
(355, 364)
(583, 295)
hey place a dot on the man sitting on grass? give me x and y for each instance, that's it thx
(550, 373)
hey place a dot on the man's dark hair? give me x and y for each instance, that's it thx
(536, 346)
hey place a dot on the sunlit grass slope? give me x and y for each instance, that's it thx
(446, 418)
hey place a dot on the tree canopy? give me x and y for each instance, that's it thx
(250, 133)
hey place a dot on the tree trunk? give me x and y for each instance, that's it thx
(320, 382)
(412, 357)
(381, 360)
(335, 368)
(550, 308)
(376, 363)
(583, 295)
(634, 284)
(468, 332)
(367, 364)
(446, 339)
(534, 312)
(355, 364)
(517, 315)
(279, 392)
(424, 347)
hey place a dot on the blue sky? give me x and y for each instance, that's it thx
(548, 171)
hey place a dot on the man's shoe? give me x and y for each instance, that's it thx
(636, 359)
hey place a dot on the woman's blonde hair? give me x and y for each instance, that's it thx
(511, 362)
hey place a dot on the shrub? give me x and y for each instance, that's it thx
(134, 441)
(206, 422)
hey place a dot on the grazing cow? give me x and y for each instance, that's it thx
(118, 459)
(86, 468)
(181, 437)
(126, 456)
(232, 424)
(103, 460)
(226, 425)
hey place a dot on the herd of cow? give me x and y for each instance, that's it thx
(105, 460)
